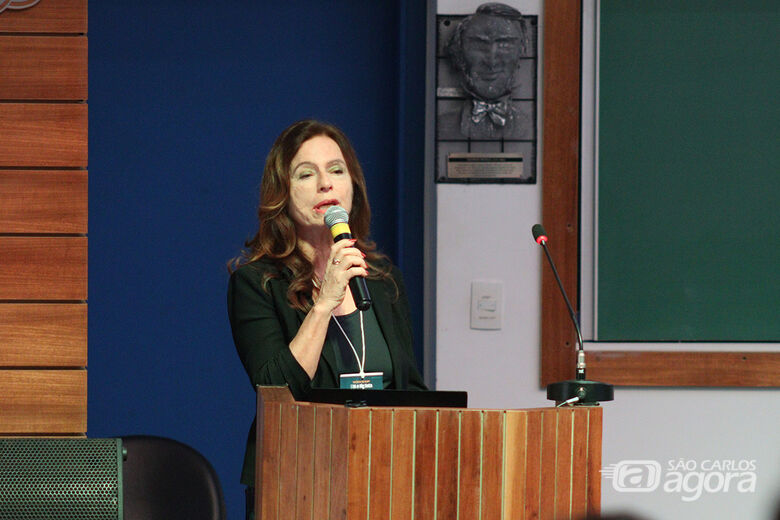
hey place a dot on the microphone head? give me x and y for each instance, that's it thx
(336, 215)
(539, 234)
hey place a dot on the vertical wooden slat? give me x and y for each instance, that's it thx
(447, 465)
(305, 463)
(470, 464)
(381, 467)
(288, 484)
(579, 498)
(425, 465)
(533, 478)
(403, 464)
(358, 470)
(563, 478)
(515, 465)
(340, 462)
(594, 460)
(322, 462)
(549, 445)
(492, 463)
(269, 424)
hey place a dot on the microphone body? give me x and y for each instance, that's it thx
(337, 218)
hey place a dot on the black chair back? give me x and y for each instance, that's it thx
(166, 479)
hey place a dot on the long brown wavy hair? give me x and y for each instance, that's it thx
(277, 238)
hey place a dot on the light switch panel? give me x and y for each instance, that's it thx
(486, 304)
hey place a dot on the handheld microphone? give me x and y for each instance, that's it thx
(578, 390)
(337, 219)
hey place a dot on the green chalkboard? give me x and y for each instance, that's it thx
(688, 204)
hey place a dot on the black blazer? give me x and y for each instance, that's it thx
(264, 324)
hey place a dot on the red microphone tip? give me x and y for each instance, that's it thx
(540, 239)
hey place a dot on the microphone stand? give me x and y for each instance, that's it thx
(577, 391)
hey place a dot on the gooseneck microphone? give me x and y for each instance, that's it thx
(578, 390)
(337, 219)
(541, 238)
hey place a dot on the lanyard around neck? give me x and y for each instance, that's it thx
(361, 364)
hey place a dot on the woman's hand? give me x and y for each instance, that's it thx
(344, 263)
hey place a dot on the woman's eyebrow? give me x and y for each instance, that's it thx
(304, 163)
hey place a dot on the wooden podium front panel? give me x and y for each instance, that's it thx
(331, 462)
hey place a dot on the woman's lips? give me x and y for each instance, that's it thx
(323, 206)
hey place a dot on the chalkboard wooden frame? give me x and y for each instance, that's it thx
(560, 214)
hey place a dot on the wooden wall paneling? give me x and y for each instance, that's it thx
(47, 16)
(560, 166)
(43, 401)
(716, 369)
(43, 201)
(43, 268)
(43, 67)
(43, 335)
(43, 59)
(43, 134)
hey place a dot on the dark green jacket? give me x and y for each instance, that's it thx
(264, 324)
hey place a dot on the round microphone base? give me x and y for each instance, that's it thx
(580, 392)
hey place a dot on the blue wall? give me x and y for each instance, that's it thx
(185, 99)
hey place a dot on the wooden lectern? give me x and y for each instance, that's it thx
(324, 461)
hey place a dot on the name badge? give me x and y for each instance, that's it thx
(369, 381)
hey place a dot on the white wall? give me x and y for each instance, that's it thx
(483, 233)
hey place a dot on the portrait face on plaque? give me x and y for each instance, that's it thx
(491, 48)
(485, 49)
(486, 85)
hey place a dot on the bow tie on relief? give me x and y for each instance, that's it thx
(497, 111)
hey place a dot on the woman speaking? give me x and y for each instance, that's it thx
(293, 316)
